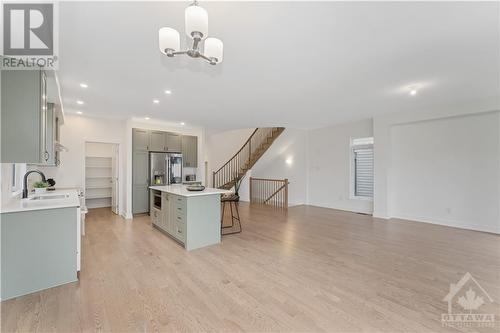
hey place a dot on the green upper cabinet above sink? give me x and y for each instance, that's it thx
(29, 121)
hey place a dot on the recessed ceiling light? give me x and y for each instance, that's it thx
(79, 102)
(147, 118)
(83, 85)
(168, 92)
(79, 112)
(156, 101)
(183, 123)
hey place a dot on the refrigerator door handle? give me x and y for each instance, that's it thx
(168, 169)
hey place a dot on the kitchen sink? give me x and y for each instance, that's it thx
(49, 197)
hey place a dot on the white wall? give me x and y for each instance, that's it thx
(447, 171)
(7, 192)
(329, 166)
(222, 146)
(441, 167)
(382, 147)
(74, 133)
(291, 145)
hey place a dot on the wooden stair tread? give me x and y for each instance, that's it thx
(253, 157)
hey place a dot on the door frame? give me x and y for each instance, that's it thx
(119, 172)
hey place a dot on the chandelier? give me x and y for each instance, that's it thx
(196, 19)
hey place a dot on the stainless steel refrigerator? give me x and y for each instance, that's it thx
(165, 168)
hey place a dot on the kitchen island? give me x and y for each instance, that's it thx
(192, 218)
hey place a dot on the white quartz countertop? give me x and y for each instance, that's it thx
(60, 199)
(182, 191)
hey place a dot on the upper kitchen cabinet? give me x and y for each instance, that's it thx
(190, 151)
(173, 142)
(28, 125)
(140, 139)
(157, 141)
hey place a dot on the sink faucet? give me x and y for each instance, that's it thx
(25, 181)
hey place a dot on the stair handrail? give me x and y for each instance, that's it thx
(239, 151)
(237, 165)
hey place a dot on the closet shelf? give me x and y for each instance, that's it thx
(98, 197)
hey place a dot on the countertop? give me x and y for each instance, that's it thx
(182, 191)
(22, 205)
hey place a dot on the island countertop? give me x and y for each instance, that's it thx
(181, 190)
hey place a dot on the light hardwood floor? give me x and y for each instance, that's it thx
(311, 269)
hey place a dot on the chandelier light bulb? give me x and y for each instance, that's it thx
(169, 39)
(196, 21)
(214, 49)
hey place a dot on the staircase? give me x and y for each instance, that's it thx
(256, 145)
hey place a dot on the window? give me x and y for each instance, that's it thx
(362, 168)
(15, 184)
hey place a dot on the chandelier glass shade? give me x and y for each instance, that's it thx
(196, 21)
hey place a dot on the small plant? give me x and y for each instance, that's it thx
(41, 185)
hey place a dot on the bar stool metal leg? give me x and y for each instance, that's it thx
(233, 218)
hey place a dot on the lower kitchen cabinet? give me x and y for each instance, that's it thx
(192, 219)
(172, 216)
(39, 250)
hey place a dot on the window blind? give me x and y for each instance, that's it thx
(363, 172)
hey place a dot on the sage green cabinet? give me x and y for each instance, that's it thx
(172, 217)
(140, 182)
(140, 139)
(193, 220)
(190, 151)
(157, 141)
(172, 142)
(23, 101)
(39, 250)
(140, 170)
(144, 141)
(30, 125)
(49, 142)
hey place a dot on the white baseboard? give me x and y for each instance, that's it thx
(381, 216)
(346, 208)
(448, 223)
(127, 215)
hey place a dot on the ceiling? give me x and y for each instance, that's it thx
(293, 64)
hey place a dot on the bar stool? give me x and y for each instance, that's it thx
(232, 199)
